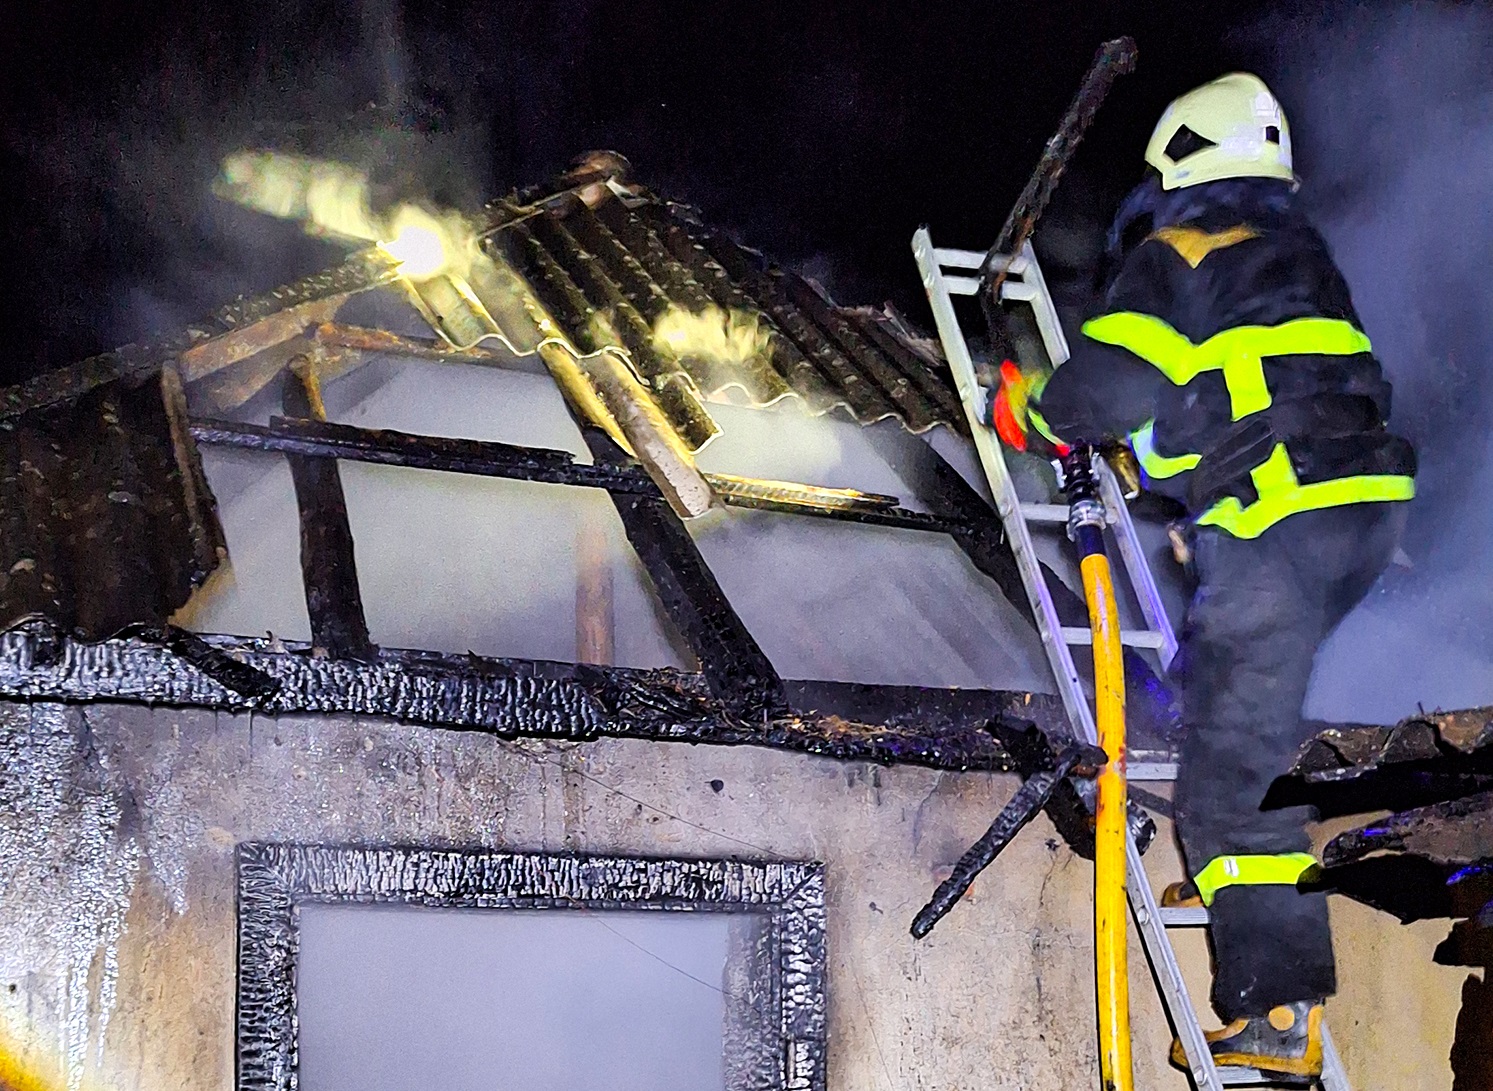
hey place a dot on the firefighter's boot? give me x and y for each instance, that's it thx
(1183, 895)
(1285, 1043)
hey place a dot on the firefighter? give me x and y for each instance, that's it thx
(1227, 351)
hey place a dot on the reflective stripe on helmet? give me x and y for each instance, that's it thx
(1280, 869)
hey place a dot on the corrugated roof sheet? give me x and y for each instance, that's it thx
(612, 267)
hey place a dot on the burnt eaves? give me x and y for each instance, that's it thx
(1442, 742)
(1432, 855)
(937, 728)
(106, 518)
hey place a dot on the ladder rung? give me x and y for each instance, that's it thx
(958, 259)
(962, 285)
(1150, 772)
(1190, 917)
(1135, 638)
(1246, 1077)
(1045, 513)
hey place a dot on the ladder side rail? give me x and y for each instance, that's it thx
(1334, 1075)
(1032, 288)
(1168, 974)
(1003, 490)
(1133, 554)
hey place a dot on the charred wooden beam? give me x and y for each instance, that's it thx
(328, 567)
(890, 725)
(737, 669)
(1030, 798)
(323, 439)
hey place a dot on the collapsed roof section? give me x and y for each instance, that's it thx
(1432, 855)
(627, 329)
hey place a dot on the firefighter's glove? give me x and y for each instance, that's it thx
(1010, 412)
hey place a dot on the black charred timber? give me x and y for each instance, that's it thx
(328, 567)
(1030, 798)
(232, 674)
(1032, 752)
(327, 440)
(106, 519)
(977, 530)
(1456, 832)
(1114, 59)
(885, 725)
(735, 667)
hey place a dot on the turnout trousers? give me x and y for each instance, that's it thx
(1261, 608)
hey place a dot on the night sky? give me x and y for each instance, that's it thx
(821, 133)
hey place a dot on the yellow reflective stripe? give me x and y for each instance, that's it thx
(1281, 869)
(1152, 340)
(1275, 474)
(1158, 466)
(1231, 516)
(1244, 376)
(1039, 422)
(1237, 352)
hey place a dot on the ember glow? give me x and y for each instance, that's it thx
(332, 199)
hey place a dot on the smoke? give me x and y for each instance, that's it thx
(131, 243)
(1393, 112)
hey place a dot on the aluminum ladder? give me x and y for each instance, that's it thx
(947, 273)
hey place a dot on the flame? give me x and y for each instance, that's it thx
(332, 199)
(730, 337)
(422, 244)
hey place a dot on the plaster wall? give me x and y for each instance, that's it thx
(117, 834)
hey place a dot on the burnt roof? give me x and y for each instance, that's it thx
(628, 257)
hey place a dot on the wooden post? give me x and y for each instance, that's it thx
(595, 621)
(328, 568)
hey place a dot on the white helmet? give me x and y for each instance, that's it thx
(1230, 128)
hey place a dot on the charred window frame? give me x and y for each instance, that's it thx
(775, 1023)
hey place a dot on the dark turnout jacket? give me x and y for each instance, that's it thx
(1230, 354)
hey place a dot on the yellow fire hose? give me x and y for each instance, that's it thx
(1111, 833)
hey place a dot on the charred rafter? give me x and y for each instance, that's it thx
(737, 669)
(329, 569)
(322, 439)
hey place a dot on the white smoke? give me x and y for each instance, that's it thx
(1393, 112)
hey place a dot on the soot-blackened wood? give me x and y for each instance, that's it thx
(1032, 753)
(976, 527)
(735, 667)
(1030, 798)
(328, 568)
(321, 439)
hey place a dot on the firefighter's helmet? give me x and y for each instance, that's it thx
(1230, 128)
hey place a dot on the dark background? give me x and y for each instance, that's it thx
(822, 133)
